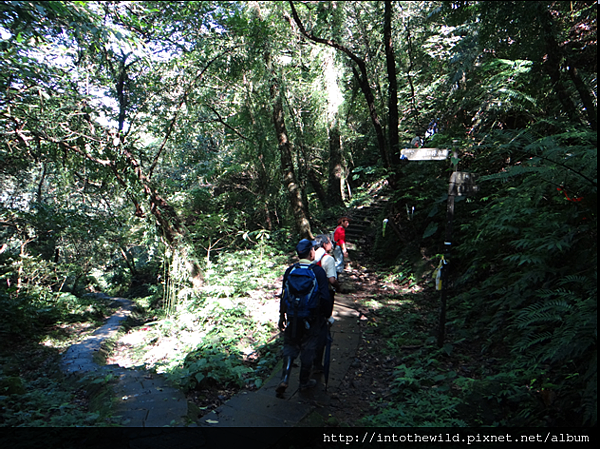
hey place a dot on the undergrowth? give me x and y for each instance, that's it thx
(35, 393)
(220, 336)
(522, 290)
(452, 386)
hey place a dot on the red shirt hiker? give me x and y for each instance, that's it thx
(339, 236)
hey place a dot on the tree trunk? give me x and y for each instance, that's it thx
(314, 179)
(121, 87)
(363, 81)
(287, 165)
(585, 96)
(365, 87)
(553, 63)
(413, 100)
(335, 185)
(393, 89)
(130, 263)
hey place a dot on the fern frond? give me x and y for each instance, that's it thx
(586, 283)
(511, 172)
(543, 312)
(530, 341)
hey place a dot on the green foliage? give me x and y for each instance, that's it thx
(422, 386)
(32, 315)
(503, 399)
(218, 337)
(34, 393)
(243, 271)
(423, 404)
(194, 172)
(210, 364)
(454, 385)
(532, 263)
(46, 403)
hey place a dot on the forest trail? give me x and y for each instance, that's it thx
(357, 371)
(358, 374)
(144, 400)
(253, 410)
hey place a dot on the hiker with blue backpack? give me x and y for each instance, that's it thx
(304, 308)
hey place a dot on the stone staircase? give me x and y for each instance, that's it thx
(365, 223)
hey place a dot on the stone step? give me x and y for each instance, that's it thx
(365, 221)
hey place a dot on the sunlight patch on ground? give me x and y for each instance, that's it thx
(134, 338)
(264, 311)
(162, 351)
(398, 302)
(69, 334)
(144, 347)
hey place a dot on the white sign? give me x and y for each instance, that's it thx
(462, 184)
(424, 154)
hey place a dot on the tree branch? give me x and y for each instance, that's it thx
(362, 78)
(319, 40)
(225, 124)
(181, 103)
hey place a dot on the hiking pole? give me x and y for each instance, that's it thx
(327, 363)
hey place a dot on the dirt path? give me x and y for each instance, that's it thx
(368, 379)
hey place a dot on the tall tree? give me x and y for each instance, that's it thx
(335, 185)
(361, 75)
(285, 146)
(390, 59)
(287, 163)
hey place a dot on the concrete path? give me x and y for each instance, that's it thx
(79, 358)
(263, 409)
(143, 399)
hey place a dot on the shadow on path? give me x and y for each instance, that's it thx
(142, 398)
(262, 408)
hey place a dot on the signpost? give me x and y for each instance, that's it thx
(461, 184)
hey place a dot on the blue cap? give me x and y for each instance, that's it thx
(304, 246)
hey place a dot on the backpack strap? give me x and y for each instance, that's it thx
(317, 310)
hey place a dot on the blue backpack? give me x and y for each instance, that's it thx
(300, 292)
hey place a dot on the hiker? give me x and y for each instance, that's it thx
(324, 259)
(417, 142)
(339, 236)
(302, 321)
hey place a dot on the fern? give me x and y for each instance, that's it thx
(513, 172)
(531, 278)
(546, 312)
